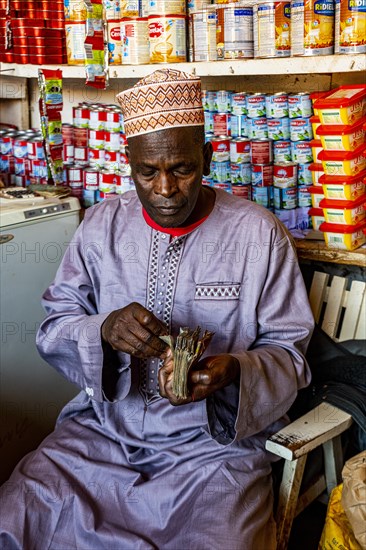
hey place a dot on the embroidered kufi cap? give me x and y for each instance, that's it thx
(165, 99)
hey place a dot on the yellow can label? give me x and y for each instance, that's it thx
(352, 26)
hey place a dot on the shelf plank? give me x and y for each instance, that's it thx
(290, 65)
(318, 251)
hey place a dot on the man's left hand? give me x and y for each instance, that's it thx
(210, 375)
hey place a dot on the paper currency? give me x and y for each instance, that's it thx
(187, 350)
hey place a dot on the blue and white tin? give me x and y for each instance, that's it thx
(257, 128)
(240, 174)
(263, 196)
(277, 105)
(278, 128)
(239, 104)
(256, 105)
(223, 101)
(220, 171)
(301, 152)
(209, 121)
(301, 129)
(239, 126)
(304, 196)
(299, 105)
(209, 100)
(304, 174)
(285, 199)
(282, 151)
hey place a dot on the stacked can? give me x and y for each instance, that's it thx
(22, 158)
(301, 134)
(75, 28)
(36, 29)
(261, 143)
(261, 150)
(201, 31)
(217, 112)
(167, 22)
(95, 164)
(132, 32)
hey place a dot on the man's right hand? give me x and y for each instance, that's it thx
(135, 330)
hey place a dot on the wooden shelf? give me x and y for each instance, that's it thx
(318, 251)
(290, 66)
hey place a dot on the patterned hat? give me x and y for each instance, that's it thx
(164, 99)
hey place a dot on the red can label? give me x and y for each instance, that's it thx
(221, 124)
(109, 178)
(112, 141)
(35, 149)
(261, 151)
(240, 150)
(221, 148)
(81, 137)
(68, 134)
(262, 175)
(243, 191)
(20, 149)
(7, 145)
(285, 174)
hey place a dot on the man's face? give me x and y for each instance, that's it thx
(167, 168)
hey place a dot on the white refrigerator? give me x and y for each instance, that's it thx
(34, 235)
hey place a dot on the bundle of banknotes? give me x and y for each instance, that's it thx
(187, 349)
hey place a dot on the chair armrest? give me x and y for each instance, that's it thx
(321, 424)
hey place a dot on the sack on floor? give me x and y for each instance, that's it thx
(337, 532)
(354, 495)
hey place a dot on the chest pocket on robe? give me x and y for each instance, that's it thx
(217, 291)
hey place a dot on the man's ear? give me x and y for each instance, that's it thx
(207, 156)
(127, 153)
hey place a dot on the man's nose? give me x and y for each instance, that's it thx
(165, 185)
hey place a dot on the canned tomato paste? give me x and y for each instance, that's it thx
(261, 151)
(221, 123)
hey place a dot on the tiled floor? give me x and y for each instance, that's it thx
(307, 528)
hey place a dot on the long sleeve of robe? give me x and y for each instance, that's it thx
(235, 274)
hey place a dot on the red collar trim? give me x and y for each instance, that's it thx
(172, 231)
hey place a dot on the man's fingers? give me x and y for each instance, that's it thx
(142, 344)
(148, 320)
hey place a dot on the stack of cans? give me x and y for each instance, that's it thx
(22, 158)
(95, 164)
(261, 146)
(38, 32)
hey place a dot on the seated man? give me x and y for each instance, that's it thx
(130, 465)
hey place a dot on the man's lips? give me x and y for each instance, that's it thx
(168, 210)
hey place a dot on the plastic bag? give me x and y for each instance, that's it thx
(337, 532)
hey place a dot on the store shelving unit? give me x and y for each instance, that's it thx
(19, 85)
(286, 66)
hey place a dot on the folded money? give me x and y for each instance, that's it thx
(187, 349)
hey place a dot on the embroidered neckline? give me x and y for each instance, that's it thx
(172, 231)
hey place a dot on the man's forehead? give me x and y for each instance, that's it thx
(180, 138)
